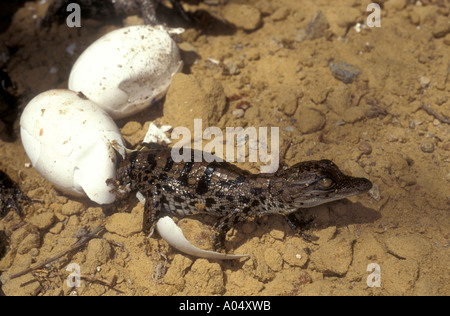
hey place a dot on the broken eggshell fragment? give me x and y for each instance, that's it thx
(69, 141)
(127, 70)
(174, 236)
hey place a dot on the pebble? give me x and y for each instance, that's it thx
(31, 241)
(442, 27)
(374, 192)
(316, 27)
(365, 148)
(408, 246)
(239, 113)
(310, 120)
(424, 81)
(243, 16)
(334, 257)
(281, 14)
(447, 39)
(344, 72)
(287, 100)
(294, 255)
(273, 259)
(395, 5)
(43, 220)
(206, 277)
(72, 208)
(98, 253)
(265, 7)
(427, 146)
(353, 114)
(231, 67)
(124, 224)
(177, 270)
(190, 97)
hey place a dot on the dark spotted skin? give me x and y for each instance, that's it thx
(11, 197)
(227, 192)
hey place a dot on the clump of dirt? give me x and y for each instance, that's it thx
(336, 88)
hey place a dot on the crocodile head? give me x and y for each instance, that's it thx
(311, 183)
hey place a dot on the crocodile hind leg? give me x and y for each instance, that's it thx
(222, 227)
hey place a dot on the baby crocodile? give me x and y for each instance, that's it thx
(223, 190)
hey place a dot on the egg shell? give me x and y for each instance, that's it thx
(69, 141)
(127, 70)
(173, 234)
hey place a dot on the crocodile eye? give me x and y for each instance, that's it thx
(326, 182)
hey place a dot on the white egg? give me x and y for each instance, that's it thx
(127, 70)
(69, 141)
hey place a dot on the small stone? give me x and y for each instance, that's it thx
(281, 14)
(344, 72)
(295, 255)
(205, 277)
(239, 113)
(265, 7)
(353, 114)
(177, 270)
(310, 120)
(131, 128)
(124, 224)
(408, 179)
(273, 259)
(99, 251)
(287, 100)
(396, 5)
(231, 67)
(243, 16)
(43, 220)
(374, 192)
(31, 241)
(365, 148)
(317, 26)
(72, 208)
(442, 27)
(447, 39)
(334, 257)
(196, 98)
(408, 246)
(424, 81)
(427, 146)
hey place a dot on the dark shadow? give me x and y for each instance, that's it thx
(8, 108)
(200, 20)
(340, 214)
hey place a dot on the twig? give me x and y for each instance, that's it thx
(430, 111)
(81, 242)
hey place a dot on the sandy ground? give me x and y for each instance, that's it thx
(276, 68)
